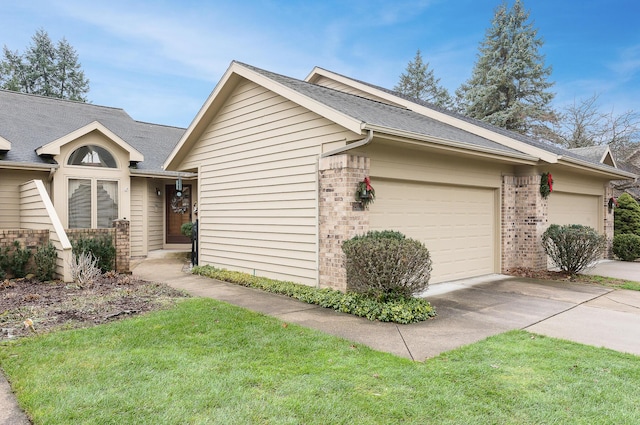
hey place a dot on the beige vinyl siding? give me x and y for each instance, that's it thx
(10, 181)
(155, 215)
(138, 222)
(37, 212)
(258, 188)
(333, 84)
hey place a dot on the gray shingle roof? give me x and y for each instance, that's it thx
(557, 150)
(594, 153)
(382, 114)
(29, 122)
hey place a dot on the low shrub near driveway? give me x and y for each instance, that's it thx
(626, 246)
(403, 311)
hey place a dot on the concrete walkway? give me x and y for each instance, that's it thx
(468, 311)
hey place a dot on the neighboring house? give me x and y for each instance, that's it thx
(631, 164)
(632, 187)
(96, 164)
(279, 159)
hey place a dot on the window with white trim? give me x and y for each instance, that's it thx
(92, 203)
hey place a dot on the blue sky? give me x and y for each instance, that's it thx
(159, 60)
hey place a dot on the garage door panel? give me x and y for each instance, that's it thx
(570, 208)
(457, 224)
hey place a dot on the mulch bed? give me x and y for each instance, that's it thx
(56, 305)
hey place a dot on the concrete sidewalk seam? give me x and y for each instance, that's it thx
(564, 311)
(404, 342)
(620, 302)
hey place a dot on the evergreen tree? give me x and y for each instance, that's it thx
(44, 69)
(508, 87)
(419, 82)
(626, 216)
(71, 83)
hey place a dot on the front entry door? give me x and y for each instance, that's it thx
(178, 212)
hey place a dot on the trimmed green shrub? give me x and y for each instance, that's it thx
(100, 247)
(626, 217)
(386, 265)
(4, 262)
(573, 247)
(403, 311)
(626, 247)
(45, 259)
(18, 260)
(187, 229)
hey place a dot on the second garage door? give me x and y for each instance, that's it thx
(570, 208)
(457, 224)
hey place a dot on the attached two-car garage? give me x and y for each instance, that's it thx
(456, 223)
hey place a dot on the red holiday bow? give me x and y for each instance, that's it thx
(550, 182)
(367, 181)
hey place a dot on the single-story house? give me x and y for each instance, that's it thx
(70, 165)
(279, 159)
(274, 162)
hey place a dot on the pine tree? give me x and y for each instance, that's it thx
(71, 83)
(508, 87)
(419, 82)
(45, 70)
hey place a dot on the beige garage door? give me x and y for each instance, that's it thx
(569, 208)
(457, 224)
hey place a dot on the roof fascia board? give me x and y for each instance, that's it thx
(30, 166)
(611, 172)
(5, 145)
(262, 80)
(188, 135)
(445, 118)
(53, 148)
(162, 174)
(413, 138)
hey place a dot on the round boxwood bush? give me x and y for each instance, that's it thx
(386, 265)
(627, 246)
(573, 247)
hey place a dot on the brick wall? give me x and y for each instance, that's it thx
(524, 220)
(341, 216)
(27, 238)
(119, 234)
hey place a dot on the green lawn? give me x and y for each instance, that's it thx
(208, 362)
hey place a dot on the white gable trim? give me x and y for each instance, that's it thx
(238, 70)
(53, 148)
(442, 117)
(5, 145)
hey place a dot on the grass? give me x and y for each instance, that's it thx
(206, 362)
(609, 282)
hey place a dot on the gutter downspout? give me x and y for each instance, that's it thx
(350, 146)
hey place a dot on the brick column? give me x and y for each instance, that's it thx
(524, 220)
(123, 246)
(340, 216)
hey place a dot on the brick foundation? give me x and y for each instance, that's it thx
(119, 234)
(27, 238)
(341, 217)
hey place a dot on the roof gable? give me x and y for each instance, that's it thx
(601, 154)
(229, 80)
(53, 148)
(31, 122)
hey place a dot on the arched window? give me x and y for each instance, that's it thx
(92, 156)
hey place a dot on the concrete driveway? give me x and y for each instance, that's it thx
(617, 269)
(587, 314)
